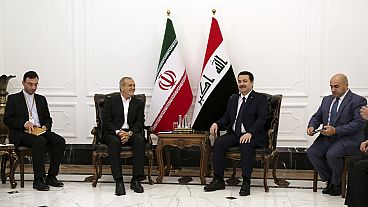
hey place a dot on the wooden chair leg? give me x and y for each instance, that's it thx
(266, 163)
(99, 163)
(233, 175)
(4, 159)
(281, 182)
(343, 177)
(168, 161)
(94, 163)
(92, 178)
(206, 164)
(150, 161)
(13, 166)
(21, 169)
(233, 180)
(315, 177)
(275, 161)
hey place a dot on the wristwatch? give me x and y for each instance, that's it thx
(130, 133)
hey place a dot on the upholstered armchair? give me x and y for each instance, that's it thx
(100, 149)
(269, 154)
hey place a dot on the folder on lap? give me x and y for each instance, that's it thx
(37, 131)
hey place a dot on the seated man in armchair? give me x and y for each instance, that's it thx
(343, 131)
(24, 112)
(246, 115)
(123, 119)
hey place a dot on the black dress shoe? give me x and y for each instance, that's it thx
(135, 185)
(327, 189)
(215, 184)
(119, 189)
(38, 184)
(335, 190)
(245, 189)
(52, 181)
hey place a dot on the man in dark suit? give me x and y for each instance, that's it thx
(245, 117)
(24, 112)
(357, 192)
(343, 131)
(122, 121)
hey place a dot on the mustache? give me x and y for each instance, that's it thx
(242, 86)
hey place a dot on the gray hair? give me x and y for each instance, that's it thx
(122, 82)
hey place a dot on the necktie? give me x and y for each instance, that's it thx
(239, 119)
(333, 114)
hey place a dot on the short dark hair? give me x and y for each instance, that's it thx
(251, 77)
(30, 74)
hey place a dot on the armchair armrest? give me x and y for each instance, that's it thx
(94, 130)
(270, 136)
(148, 134)
(96, 133)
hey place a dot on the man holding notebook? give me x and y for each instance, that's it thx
(28, 117)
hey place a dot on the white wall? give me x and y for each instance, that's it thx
(83, 47)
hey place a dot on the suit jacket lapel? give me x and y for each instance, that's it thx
(326, 114)
(131, 107)
(249, 99)
(346, 99)
(121, 109)
(39, 108)
(23, 103)
(236, 102)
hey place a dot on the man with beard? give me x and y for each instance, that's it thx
(24, 113)
(245, 117)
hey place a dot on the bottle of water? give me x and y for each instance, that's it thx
(180, 122)
(186, 121)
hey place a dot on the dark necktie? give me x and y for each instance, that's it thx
(239, 119)
(333, 114)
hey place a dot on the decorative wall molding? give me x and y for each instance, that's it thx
(66, 88)
(292, 125)
(64, 119)
(290, 48)
(2, 36)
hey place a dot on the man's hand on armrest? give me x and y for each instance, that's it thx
(213, 129)
(364, 146)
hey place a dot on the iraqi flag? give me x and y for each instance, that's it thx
(172, 95)
(217, 82)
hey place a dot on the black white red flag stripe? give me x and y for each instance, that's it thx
(217, 82)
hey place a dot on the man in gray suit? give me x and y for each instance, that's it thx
(343, 131)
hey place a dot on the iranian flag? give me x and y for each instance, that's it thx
(172, 95)
(217, 82)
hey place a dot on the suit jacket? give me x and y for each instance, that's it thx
(349, 124)
(113, 115)
(253, 119)
(16, 115)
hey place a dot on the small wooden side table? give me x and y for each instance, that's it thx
(181, 141)
(8, 151)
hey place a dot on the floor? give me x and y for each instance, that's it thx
(78, 193)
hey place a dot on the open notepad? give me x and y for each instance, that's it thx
(37, 131)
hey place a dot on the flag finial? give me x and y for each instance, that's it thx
(214, 12)
(168, 13)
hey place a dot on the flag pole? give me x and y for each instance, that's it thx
(168, 13)
(214, 12)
